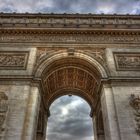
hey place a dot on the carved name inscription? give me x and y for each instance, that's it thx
(3, 111)
(135, 103)
(13, 60)
(129, 61)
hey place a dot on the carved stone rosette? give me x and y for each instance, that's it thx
(3, 112)
(135, 103)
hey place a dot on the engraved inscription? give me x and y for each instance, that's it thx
(13, 60)
(129, 61)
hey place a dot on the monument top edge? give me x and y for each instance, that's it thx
(73, 15)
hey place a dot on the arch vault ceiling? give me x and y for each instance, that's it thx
(71, 74)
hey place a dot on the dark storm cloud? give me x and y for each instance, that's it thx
(70, 120)
(71, 6)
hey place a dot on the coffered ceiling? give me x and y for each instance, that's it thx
(74, 75)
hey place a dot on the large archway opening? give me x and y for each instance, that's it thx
(69, 119)
(78, 74)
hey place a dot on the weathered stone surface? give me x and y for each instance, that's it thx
(109, 114)
(17, 110)
(124, 111)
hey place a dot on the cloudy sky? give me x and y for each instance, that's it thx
(70, 119)
(71, 6)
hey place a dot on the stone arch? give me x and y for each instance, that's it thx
(61, 63)
(62, 73)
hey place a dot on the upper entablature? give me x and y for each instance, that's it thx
(92, 21)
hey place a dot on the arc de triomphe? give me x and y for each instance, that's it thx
(45, 56)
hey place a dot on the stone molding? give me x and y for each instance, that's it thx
(13, 60)
(69, 20)
(98, 38)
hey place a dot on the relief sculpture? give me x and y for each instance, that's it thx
(130, 61)
(135, 103)
(3, 112)
(13, 60)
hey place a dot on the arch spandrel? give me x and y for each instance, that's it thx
(45, 62)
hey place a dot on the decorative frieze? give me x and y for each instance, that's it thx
(13, 60)
(135, 103)
(3, 111)
(127, 61)
(70, 38)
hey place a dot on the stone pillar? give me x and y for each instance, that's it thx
(30, 123)
(21, 118)
(94, 127)
(101, 137)
(126, 114)
(41, 133)
(46, 115)
(109, 114)
(100, 131)
(98, 125)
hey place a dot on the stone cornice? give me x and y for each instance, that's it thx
(65, 15)
(69, 21)
(70, 28)
(34, 79)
